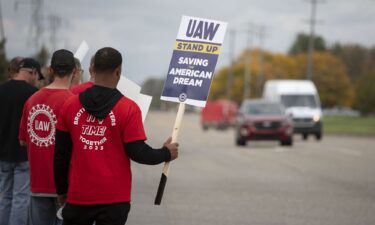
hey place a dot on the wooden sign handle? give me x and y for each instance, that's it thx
(164, 175)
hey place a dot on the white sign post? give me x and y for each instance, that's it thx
(197, 48)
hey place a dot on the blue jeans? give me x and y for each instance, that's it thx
(43, 211)
(15, 193)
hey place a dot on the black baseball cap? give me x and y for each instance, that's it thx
(62, 61)
(31, 63)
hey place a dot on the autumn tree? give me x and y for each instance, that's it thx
(330, 78)
(219, 85)
(301, 44)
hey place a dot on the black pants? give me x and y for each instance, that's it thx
(106, 214)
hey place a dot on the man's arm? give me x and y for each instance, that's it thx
(63, 154)
(142, 153)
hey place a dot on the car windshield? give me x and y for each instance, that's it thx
(299, 100)
(263, 109)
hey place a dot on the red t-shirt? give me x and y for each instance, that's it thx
(99, 170)
(81, 87)
(37, 128)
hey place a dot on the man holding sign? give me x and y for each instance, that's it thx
(97, 134)
(191, 70)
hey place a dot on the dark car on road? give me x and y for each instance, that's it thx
(262, 120)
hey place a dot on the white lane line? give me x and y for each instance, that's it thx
(279, 149)
(347, 151)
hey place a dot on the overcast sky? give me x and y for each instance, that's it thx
(144, 31)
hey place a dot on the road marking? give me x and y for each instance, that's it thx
(347, 151)
(279, 149)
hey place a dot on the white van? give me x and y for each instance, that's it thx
(301, 100)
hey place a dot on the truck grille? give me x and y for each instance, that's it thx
(267, 125)
(302, 120)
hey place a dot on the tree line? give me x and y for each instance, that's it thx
(343, 73)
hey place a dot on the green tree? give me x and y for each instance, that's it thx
(42, 56)
(354, 57)
(3, 62)
(301, 44)
(365, 90)
(154, 87)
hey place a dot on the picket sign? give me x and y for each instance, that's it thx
(127, 87)
(190, 72)
(133, 91)
(80, 55)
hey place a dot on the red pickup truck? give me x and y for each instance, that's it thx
(219, 114)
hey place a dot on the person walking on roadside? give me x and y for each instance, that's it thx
(97, 134)
(37, 132)
(14, 167)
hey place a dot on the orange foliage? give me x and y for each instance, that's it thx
(330, 76)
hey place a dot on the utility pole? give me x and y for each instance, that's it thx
(232, 43)
(260, 75)
(312, 22)
(2, 35)
(55, 23)
(247, 75)
(36, 27)
(2, 32)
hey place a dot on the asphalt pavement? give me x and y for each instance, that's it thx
(331, 182)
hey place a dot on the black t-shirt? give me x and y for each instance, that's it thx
(13, 95)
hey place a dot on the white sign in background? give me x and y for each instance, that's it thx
(127, 87)
(133, 91)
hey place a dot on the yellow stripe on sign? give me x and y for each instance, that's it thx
(197, 47)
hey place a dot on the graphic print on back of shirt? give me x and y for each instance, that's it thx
(41, 124)
(93, 130)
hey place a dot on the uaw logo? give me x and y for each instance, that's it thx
(41, 125)
(182, 97)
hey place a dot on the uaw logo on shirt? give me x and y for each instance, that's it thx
(41, 124)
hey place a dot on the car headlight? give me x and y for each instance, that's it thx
(316, 118)
(244, 131)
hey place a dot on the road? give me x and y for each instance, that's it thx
(331, 182)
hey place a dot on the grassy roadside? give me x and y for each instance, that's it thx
(349, 125)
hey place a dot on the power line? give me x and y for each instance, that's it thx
(247, 74)
(232, 43)
(55, 24)
(36, 27)
(2, 32)
(260, 76)
(312, 22)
